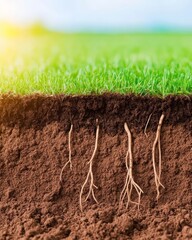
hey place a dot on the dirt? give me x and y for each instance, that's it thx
(34, 147)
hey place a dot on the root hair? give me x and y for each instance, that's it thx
(130, 184)
(69, 160)
(90, 174)
(157, 141)
(147, 123)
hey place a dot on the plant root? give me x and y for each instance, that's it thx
(157, 141)
(130, 184)
(90, 174)
(69, 161)
(147, 123)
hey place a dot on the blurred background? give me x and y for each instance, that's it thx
(99, 16)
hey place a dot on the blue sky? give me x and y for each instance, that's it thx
(99, 15)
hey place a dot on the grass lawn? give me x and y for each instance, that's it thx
(52, 63)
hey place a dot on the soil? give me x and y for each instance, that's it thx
(34, 147)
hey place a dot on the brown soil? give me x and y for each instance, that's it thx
(34, 148)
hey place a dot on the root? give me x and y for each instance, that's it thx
(69, 161)
(157, 141)
(130, 184)
(147, 123)
(90, 174)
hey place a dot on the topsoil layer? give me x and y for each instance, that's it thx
(34, 148)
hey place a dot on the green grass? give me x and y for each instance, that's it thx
(157, 64)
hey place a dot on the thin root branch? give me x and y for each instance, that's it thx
(90, 174)
(147, 123)
(69, 161)
(157, 141)
(130, 184)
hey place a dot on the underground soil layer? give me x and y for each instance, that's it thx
(38, 136)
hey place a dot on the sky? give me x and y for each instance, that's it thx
(99, 15)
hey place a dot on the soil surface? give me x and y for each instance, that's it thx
(34, 148)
